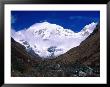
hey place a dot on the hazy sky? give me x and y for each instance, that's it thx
(74, 20)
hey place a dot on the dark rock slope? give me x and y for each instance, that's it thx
(21, 60)
(83, 60)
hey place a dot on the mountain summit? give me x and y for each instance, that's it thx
(80, 61)
(51, 40)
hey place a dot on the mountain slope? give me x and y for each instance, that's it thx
(83, 60)
(41, 37)
(21, 60)
(85, 56)
(88, 50)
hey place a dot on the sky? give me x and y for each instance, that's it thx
(74, 20)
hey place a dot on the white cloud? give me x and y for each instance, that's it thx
(82, 17)
(13, 19)
(75, 17)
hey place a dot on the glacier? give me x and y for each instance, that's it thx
(51, 40)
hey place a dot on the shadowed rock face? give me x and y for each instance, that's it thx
(83, 60)
(21, 60)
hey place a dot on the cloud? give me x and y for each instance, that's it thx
(75, 17)
(13, 19)
(13, 32)
(43, 21)
(82, 18)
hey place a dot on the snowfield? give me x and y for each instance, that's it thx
(47, 39)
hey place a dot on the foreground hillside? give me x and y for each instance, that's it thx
(83, 60)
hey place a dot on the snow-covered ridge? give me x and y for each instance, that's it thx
(48, 39)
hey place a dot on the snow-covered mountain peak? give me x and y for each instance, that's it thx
(47, 30)
(90, 27)
(44, 25)
(47, 39)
